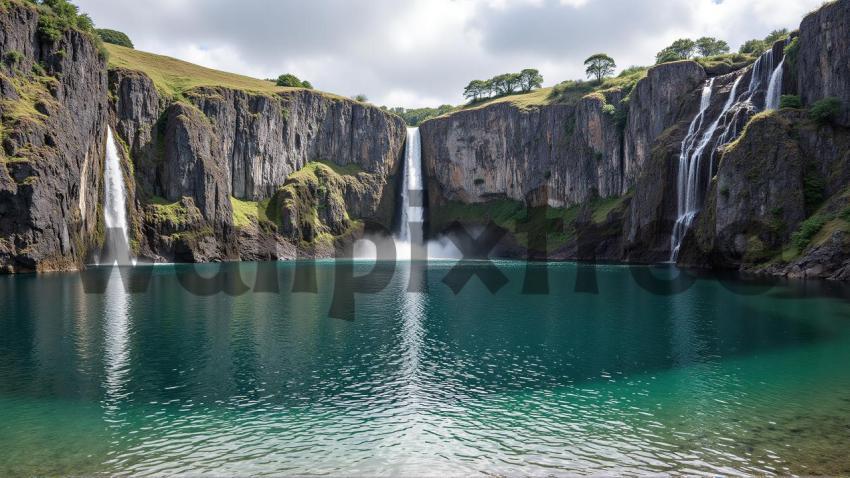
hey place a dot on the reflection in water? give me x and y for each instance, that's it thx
(623, 382)
(116, 358)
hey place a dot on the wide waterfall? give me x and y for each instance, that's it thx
(116, 250)
(692, 183)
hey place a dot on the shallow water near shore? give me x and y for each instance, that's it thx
(724, 378)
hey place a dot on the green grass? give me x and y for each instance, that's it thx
(735, 61)
(175, 77)
(246, 213)
(31, 91)
(604, 206)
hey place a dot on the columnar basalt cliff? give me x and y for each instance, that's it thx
(54, 109)
(773, 188)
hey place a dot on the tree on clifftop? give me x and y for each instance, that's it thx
(476, 89)
(505, 84)
(681, 49)
(530, 79)
(708, 46)
(599, 66)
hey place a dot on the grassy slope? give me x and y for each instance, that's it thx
(566, 92)
(174, 77)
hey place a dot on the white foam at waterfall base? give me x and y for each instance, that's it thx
(115, 204)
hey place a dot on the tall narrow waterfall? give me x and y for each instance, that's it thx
(411, 211)
(774, 90)
(763, 92)
(115, 207)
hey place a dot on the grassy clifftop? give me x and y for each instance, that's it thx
(174, 77)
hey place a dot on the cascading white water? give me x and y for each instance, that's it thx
(774, 90)
(412, 182)
(115, 204)
(736, 108)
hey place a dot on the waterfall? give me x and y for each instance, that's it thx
(736, 111)
(115, 206)
(774, 90)
(406, 236)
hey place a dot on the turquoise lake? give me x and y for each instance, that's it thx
(723, 378)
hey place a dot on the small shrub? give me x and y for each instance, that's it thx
(49, 29)
(808, 230)
(291, 81)
(813, 189)
(114, 37)
(38, 70)
(790, 101)
(609, 110)
(826, 110)
(14, 58)
(621, 115)
(791, 53)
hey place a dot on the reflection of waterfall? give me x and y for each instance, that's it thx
(412, 334)
(764, 90)
(115, 206)
(116, 349)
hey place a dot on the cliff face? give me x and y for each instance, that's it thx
(223, 144)
(577, 153)
(772, 201)
(53, 101)
(824, 53)
(505, 151)
(656, 105)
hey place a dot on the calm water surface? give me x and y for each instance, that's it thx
(709, 381)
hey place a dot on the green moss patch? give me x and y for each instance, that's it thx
(176, 213)
(248, 213)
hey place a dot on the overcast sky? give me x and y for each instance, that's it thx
(423, 52)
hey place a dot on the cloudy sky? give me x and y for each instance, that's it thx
(423, 52)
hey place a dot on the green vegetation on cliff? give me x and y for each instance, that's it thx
(114, 37)
(248, 213)
(311, 205)
(514, 216)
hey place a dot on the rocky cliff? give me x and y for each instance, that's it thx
(231, 155)
(53, 102)
(230, 168)
(772, 201)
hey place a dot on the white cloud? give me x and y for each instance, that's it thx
(423, 52)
